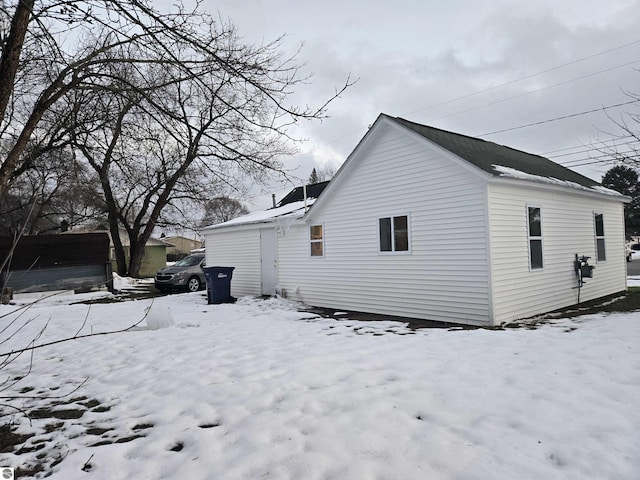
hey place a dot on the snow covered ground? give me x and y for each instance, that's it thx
(633, 281)
(260, 390)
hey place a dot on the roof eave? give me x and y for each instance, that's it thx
(254, 223)
(576, 190)
(236, 225)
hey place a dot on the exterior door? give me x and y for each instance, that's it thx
(269, 260)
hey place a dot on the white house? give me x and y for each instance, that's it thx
(425, 223)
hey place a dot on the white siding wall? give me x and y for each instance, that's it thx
(567, 229)
(443, 278)
(239, 249)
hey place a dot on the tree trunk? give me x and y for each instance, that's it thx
(12, 51)
(9, 63)
(114, 226)
(118, 249)
(136, 252)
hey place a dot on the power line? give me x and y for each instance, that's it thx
(600, 162)
(588, 149)
(564, 117)
(603, 158)
(590, 160)
(526, 77)
(622, 137)
(533, 91)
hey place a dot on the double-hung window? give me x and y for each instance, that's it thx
(394, 233)
(316, 240)
(598, 221)
(535, 237)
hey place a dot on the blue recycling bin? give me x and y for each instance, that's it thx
(219, 284)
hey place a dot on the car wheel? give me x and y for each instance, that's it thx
(193, 284)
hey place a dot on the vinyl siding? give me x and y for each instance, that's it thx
(444, 277)
(567, 229)
(239, 249)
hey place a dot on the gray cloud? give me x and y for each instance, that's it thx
(411, 57)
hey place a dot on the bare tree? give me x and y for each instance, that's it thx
(622, 146)
(133, 34)
(222, 209)
(326, 173)
(53, 190)
(173, 139)
(148, 99)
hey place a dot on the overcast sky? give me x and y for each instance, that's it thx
(471, 67)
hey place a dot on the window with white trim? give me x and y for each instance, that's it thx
(316, 240)
(394, 233)
(598, 223)
(535, 237)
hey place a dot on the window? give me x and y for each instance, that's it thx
(535, 238)
(316, 239)
(601, 255)
(394, 234)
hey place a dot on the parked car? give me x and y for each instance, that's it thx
(185, 274)
(633, 251)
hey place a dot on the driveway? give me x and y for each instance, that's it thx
(633, 267)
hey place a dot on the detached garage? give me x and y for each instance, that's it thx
(56, 262)
(424, 223)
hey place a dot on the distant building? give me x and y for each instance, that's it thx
(180, 246)
(155, 251)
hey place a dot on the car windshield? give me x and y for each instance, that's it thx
(190, 261)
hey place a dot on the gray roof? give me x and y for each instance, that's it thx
(485, 155)
(297, 194)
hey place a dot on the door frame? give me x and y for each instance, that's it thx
(268, 261)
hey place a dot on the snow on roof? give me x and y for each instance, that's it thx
(513, 173)
(290, 211)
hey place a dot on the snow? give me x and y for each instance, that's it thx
(290, 211)
(262, 389)
(633, 281)
(513, 173)
(159, 316)
(124, 283)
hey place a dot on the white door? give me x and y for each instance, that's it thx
(269, 258)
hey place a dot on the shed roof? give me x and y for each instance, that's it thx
(293, 205)
(287, 212)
